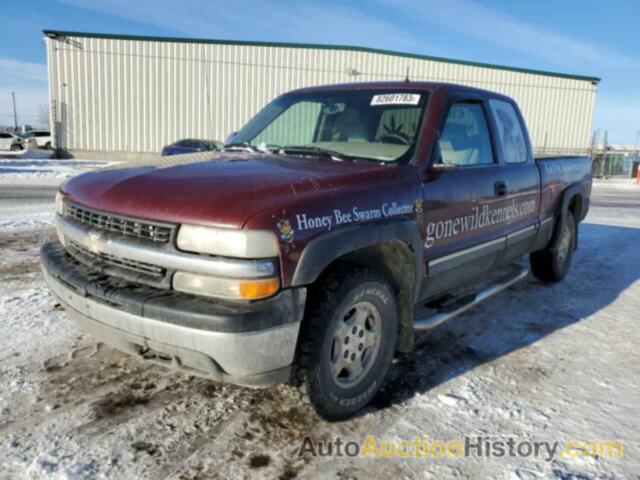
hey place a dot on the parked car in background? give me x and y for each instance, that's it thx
(14, 142)
(42, 138)
(191, 145)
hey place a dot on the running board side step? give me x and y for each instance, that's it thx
(465, 303)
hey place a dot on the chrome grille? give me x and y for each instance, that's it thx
(156, 232)
(145, 273)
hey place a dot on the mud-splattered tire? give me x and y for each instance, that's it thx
(347, 341)
(553, 262)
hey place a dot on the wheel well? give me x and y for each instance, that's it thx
(396, 261)
(575, 206)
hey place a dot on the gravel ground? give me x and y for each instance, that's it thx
(537, 362)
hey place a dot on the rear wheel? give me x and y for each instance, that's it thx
(553, 262)
(47, 146)
(16, 148)
(347, 342)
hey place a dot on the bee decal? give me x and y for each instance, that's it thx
(286, 233)
(418, 209)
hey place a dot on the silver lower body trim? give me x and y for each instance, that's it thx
(456, 259)
(522, 233)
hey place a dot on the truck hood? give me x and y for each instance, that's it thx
(216, 189)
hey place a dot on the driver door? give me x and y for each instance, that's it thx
(462, 239)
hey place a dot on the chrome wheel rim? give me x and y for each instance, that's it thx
(564, 246)
(356, 344)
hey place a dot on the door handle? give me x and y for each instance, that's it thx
(500, 189)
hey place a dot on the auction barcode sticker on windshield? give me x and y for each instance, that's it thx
(396, 99)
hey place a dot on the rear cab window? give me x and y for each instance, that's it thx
(510, 131)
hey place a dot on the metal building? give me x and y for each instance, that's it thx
(124, 97)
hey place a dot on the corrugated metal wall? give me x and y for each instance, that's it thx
(124, 95)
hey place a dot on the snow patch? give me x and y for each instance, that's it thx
(42, 170)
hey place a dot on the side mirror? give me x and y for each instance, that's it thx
(437, 165)
(443, 167)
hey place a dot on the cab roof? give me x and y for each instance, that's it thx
(442, 87)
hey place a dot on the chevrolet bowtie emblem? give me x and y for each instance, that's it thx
(94, 242)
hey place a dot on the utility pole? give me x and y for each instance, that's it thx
(15, 114)
(604, 153)
(594, 145)
(635, 164)
(592, 152)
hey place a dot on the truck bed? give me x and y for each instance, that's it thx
(556, 173)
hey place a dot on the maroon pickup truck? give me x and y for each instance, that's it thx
(301, 252)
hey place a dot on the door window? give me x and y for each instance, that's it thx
(465, 137)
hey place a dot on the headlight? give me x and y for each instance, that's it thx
(60, 211)
(59, 204)
(228, 242)
(225, 287)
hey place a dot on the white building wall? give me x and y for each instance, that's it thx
(136, 95)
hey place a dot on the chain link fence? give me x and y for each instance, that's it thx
(615, 163)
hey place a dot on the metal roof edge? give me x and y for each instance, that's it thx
(62, 33)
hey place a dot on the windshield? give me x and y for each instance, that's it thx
(372, 124)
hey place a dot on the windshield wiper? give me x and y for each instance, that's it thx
(244, 146)
(315, 150)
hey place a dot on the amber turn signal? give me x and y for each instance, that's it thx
(254, 289)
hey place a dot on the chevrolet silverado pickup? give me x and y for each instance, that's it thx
(300, 252)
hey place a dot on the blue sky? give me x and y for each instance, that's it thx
(589, 37)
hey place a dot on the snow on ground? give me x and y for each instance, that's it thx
(536, 362)
(30, 217)
(617, 183)
(36, 167)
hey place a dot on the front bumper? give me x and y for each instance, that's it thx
(250, 344)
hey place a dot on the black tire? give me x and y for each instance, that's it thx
(553, 262)
(342, 297)
(47, 146)
(16, 148)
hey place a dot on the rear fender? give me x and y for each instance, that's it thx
(576, 189)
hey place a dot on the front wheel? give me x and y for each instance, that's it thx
(348, 341)
(553, 262)
(15, 147)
